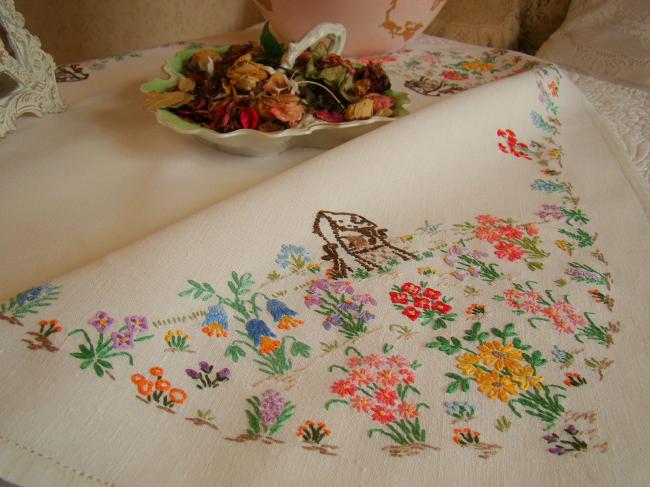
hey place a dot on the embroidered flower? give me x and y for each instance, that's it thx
(409, 287)
(312, 300)
(268, 345)
(423, 303)
(510, 232)
(525, 378)
(271, 405)
(156, 371)
(102, 322)
(215, 322)
(361, 404)
(177, 396)
(365, 299)
(382, 414)
(441, 307)
(282, 314)
(467, 363)
(386, 396)
(508, 250)
(408, 377)
(122, 341)
(387, 378)
(375, 361)
(548, 212)
(495, 354)
(137, 324)
(344, 388)
(411, 313)
(397, 361)
(163, 385)
(407, 410)
(489, 234)
(331, 320)
(360, 377)
(343, 287)
(495, 385)
(399, 298)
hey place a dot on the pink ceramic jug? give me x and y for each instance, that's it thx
(373, 26)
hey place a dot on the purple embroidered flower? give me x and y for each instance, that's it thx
(364, 299)
(193, 373)
(366, 316)
(557, 450)
(347, 307)
(320, 284)
(551, 438)
(582, 274)
(312, 300)
(330, 321)
(459, 275)
(343, 287)
(456, 249)
(137, 324)
(205, 367)
(572, 430)
(550, 211)
(477, 254)
(223, 374)
(473, 271)
(450, 261)
(102, 322)
(271, 406)
(122, 341)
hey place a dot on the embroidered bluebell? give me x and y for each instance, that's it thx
(262, 336)
(215, 322)
(282, 314)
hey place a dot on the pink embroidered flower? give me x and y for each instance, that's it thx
(408, 377)
(397, 361)
(489, 234)
(365, 299)
(375, 361)
(382, 414)
(507, 250)
(137, 324)
(514, 298)
(531, 302)
(565, 317)
(122, 341)
(387, 378)
(344, 388)
(386, 396)
(361, 404)
(488, 219)
(360, 377)
(354, 362)
(407, 411)
(531, 229)
(510, 232)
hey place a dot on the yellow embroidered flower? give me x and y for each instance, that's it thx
(565, 246)
(467, 363)
(495, 385)
(287, 322)
(495, 354)
(524, 378)
(426, 271)
(478, 66)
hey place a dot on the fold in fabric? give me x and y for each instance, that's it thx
(456, 298)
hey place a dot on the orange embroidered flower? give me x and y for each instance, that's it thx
(467, 363)
(287, 322)
(156, 371)
(268, 345)
(137, 378)
(495, 385)
(495, 354)
(214, 330)
(177, 396)
(145, 387)
(524, 378)
(163, 385)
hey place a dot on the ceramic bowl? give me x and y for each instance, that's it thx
(319, 134)
(374, 26)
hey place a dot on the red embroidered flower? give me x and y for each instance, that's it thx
(407, 411)
(386, 396)
(489, 234)
(387, 378)
(411, 313)
(507, 250)
(423, 303)
(453, 75)
(513, 233)
(489, 219)
(432, 294)
(411, 288)
(408, 377)
(361, 377)
(344, 388)
(382, 414)
(441, 307)
(399, 298)
(531, 229)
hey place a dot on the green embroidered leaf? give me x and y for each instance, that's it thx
(517, 343)
(300, 348)
(334, 401)
(458, 381)
(85, 364)
(444, 345)
(387, 348)
(234, 352)
(508, 331)
(475, 334)
(536, 360)
(98, 370)
(272, 48)
(105, 364)
(253, 423)
(82, 355)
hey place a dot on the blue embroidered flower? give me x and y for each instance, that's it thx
(282, 314)
(548, 186)
(32, 294)
(561, 356)
(257, 329)
(292, 256)
(215, 322)
(460, 410)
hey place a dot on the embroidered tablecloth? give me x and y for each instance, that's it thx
(459, 297)
(88, 167)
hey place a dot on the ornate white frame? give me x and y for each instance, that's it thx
(32, 69)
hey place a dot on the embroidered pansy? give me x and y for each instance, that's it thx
(137, 324)
(282, 314)
(102, 322)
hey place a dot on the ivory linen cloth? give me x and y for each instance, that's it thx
(456, 298)
(87, 168)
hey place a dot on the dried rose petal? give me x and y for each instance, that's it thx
(249, 118)
(332, 117)
(288, 112)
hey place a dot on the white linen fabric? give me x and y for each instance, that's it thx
(518, 361)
